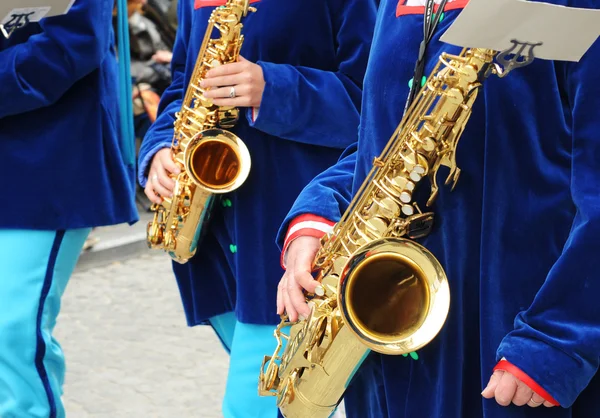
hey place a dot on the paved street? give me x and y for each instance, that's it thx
(129, 353)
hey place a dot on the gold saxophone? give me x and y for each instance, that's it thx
(212, 160)
(379, 290)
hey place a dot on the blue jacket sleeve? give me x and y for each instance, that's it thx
(556, 341)
(160, 134)
(321, 107)
(327, 195)
(38, 72)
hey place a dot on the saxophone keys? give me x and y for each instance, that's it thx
(386, 207)
(408, 210)
(339, 263)
(419, 170)
(414, 176)
(402, 183)
(405, 196)
(377, 225)
(428, 144)
(166, 202)
(329, 284)
(320, 291)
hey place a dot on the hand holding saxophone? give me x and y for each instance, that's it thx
(159, 181)
(239, 84)
(290, 297)
(507, 389)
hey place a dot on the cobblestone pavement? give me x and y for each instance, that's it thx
(129, 352)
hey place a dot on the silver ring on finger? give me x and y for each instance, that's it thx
(535, 403)
(155, 178)
(232, 92)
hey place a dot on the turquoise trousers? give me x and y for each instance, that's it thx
(35, 267)
(246, 344)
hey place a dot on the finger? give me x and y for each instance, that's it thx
(227, 80)
(490, 389)
(165, 182)
(149, 191)
(548, 404)
(227, 69)
(242, 59)
(302, 268)
(280, 290)
(240, 101)
(224, 92)
(289, 307)
(159, 182)
(523, 394)
(296, 296)
(166, 159)
(506, 389)
(161, 190)
(535, 400)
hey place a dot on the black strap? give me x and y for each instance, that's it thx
(430, 22)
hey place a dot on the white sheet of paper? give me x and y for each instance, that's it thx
(42, 8)
(566, 32)
(34, 14)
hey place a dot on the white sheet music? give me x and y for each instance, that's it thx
(566, 33)
(15, 14)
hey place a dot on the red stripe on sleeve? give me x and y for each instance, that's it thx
(521, 375)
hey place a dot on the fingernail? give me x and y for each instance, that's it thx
(301, 317)
(202, 83)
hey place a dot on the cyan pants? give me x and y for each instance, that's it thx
(35, 267)
(247, 345)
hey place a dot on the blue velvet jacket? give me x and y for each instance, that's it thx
(62, 159)
(517, 237)
(313, 54)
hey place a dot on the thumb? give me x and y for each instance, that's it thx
(489, 390)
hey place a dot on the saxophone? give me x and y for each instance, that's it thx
(379, 289)
(212, 160)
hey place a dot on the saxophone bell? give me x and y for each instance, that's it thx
(394, 295)
(217, 161)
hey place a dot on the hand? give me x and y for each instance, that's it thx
(163, 57)
(301, 254)
(244, 76)
(506, 389)
(159, 183)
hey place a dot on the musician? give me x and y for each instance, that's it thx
(517, 238)
(64, 171)
(298, 85)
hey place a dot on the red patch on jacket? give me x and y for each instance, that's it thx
(403, 9)
(213, 3)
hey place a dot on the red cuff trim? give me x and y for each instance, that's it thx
(305, 225)
(521, 375)
(402, 9)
